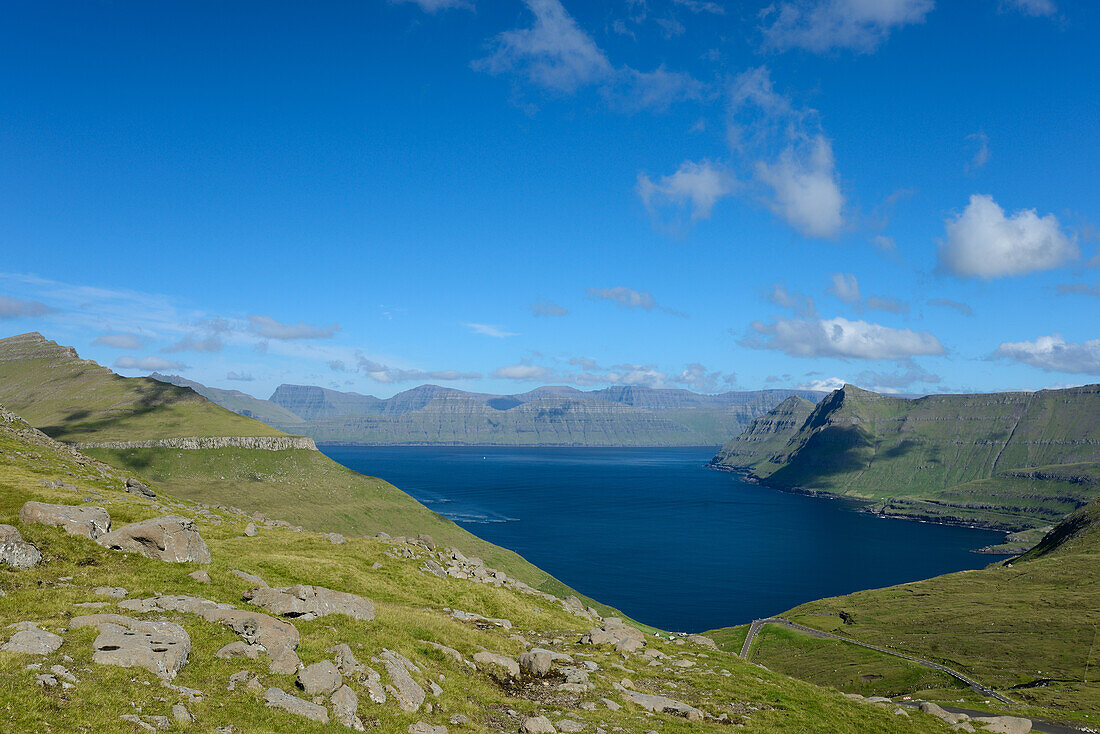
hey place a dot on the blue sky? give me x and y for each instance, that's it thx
(497, 195)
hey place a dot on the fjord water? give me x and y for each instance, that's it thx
(657, 534)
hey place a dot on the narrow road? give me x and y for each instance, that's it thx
(755, 627)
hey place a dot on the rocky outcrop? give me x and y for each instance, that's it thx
(615, 632)
(159, 647)
(537, 725)
(345, 707)
(194, 443)
(88, 522)
(319, 679)
(663, 705)
(277, 698)
(278, 638)
(309, 602)
(16, 552)
(29, 639)
(171, 538)
(501, 667)
(409, 694)
(135, 486)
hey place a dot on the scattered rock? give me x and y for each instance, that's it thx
(481, 621)
(115, 592)
(62, 672)
(615, 632)
(570, 725)
(345, 706)
(335, 538)
(663, 705)
(448, 651)
(536, 662)
(345, 659)
(422, 727)
(238, 649)
(1004, 724)
(15, 551)
(458, 720)
(409, 694)
(310, 602)
(182, 715)
(30, 640)
(319, 679)
(249, 577)
(498, 666)
(88, 522)
(170, 538)
(174, 603)
(537, 725)
(159, 647)
(277, 698)
(277, 637)
(133, 486)
(136, 721)
(201, 576)
(250, 530)
(704, 641)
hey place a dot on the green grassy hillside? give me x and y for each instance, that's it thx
(766, 438)
(413, 613)
(1004, 460)
(76, 400)
(1028, 627)
(304, 487)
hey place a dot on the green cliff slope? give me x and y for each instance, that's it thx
(1005, 460)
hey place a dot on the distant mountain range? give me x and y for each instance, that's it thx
(546, 416)
(1006, 460)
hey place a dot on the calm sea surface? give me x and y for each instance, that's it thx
(657, 534)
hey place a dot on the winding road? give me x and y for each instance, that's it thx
(757, 624)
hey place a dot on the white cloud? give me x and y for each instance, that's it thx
(823, 25)
(544, 307)
(790, 155)
(1054, 354)
(239, 376)
(556, 54)
(269, 328)
(386, 374)
(625, 297)
(434, 6)
(696, 377)
(894, 382)
(16, 308)
(694, 188)
(845, 287)
(827, 384)
(982, 242)
(119, 341)
(840, 338)
(805, 189)
(148, 364)
(800, 303)
(885, 303)
(553, 53)
(886, 245)
(1036, 8)
(490, 330)
(523, 372)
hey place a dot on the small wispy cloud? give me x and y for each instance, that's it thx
(239, 376)
(148, 364)
(269, 328)
(821, 26)
(17, 308)
(119, 341)
(982, 154)
(959, 306)
(1080, 289)
(544, 307)
(193, 343)
(490, 330)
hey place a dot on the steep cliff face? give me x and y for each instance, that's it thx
(759, 448)
(551, 416)
(997, 458)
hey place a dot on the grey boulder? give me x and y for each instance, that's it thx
(30, 640)
(15, 551)
(277, 698)
(309, 602)
(170, 538)
(319, 679)
(159, 647)
(89, 522)
(663, 705)
(133, 486)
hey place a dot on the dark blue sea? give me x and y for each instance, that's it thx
(657, 534)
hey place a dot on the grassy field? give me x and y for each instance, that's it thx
(77, 400)
(1027, 628)
(411, 609)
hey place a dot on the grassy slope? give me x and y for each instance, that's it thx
(1005, 460)
(77, 400)
(1006, 625)
(410, 607)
